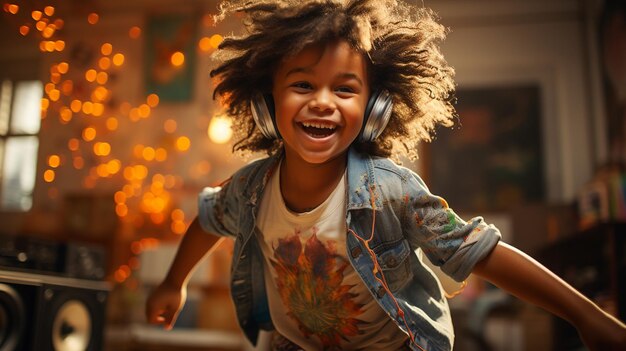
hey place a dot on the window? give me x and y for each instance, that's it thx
(20, 117)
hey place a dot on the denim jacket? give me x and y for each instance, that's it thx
(409, 222)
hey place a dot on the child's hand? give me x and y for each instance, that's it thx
(164, 304)
(605, 333)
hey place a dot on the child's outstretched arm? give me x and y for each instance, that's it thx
(166, 301)
(522, 276)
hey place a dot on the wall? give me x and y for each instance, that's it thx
(491, 43)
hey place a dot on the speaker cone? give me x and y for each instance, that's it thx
(12, 318)
(71, 330)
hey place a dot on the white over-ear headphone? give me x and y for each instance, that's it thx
(377, 114)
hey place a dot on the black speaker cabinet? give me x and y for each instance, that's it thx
(48, 313)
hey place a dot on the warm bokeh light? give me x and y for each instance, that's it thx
(45, 103)
(63, 67)
(49, 176)
(118, 59)
(36, 15)
(76, 106)
(112, 123)
(100, 94)
(133, 114)
(216, 40)
(54, 161)
(59, 23)
(140, 171)
(48, 32)
(114, 166)
(152, 100)
(183, 143)
(138, 150)
(178, 227)
(102, 78)
(73, 144)
(67, 87)
(136, 248)
(125, 107)
(40, 25)
(205, 44)
(129, 174)
(157, 218)
(89, 134)
(48, 10)
(220, 130)
(102, 171)
(148, 153)
(106, 49)
(65, 114)
(78, 162)
(12, 9)
(102, 148)
(177, 59)
(59, 45)
(119, 197)
(121, 210)
(54, 95)
(170, 125)
(98, 109)
(48, 88)
(24, 30)
(134, 32)
(55, 78)
(88, 107)
(90, 75)
(144, 111)
(160, 154)
(93, 18)
(104, 63)
(177, 215)
(49, 46)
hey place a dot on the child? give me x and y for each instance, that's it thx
(329, 233)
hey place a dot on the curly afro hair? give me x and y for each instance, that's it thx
(400, 41)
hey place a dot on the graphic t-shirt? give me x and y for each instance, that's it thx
(316, 298)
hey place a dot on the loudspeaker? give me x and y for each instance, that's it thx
(35, 255)
(377, 114)
(47, 313)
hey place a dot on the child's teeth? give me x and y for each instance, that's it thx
(318, 125)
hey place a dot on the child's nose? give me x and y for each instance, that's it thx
(322, 101)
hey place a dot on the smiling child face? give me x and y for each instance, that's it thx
(320, 97)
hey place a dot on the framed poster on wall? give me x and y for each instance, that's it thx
(493, 159)
(170, 56)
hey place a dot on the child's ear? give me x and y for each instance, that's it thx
(377, 114)
(262, 107)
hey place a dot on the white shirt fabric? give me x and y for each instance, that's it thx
(316, 298)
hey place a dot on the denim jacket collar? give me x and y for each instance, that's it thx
(362, 184)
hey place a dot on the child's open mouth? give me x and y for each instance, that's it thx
(318, 130)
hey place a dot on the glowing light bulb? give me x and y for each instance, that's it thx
(220, 131)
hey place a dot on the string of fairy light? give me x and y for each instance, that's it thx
(145, 192)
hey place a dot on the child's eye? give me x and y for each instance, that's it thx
(302, 85)
(345, 89)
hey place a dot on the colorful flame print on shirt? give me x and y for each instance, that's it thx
(309, 282)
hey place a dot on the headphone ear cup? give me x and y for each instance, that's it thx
(262, 107)
(377, 114)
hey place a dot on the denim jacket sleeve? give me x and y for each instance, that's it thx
(218, 209)
(447, 240)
